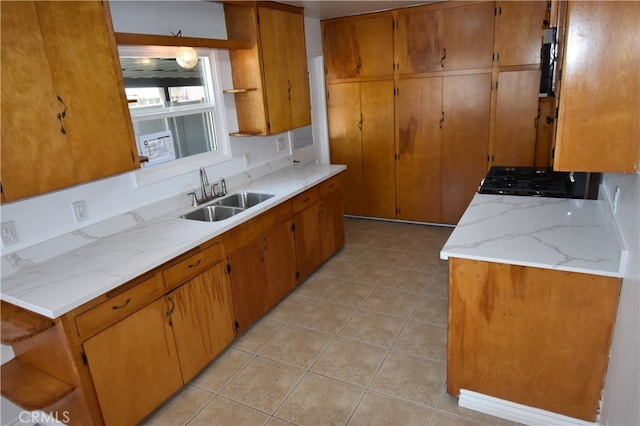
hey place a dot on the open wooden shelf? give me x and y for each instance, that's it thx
(20, 324)
(245, 134)
(161, 40)
(243, 90)
(30, 388)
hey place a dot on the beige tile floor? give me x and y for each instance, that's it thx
(361, 342)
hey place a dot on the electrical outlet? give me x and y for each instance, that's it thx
(280, 142)
(247, 160)
(9, 234)
(80, 211)
(616, 199)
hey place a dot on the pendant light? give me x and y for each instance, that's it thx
(187, 57)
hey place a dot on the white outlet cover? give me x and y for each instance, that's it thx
(80, 211)
(9, 234)
(247, 160)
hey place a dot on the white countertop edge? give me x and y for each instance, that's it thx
(206, 231)
(616, 274)
(469, 218)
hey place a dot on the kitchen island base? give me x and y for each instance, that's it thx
(534, 336)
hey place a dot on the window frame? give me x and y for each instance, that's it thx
(159, 172)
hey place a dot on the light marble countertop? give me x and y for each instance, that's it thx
(554, 233)
(63, 282)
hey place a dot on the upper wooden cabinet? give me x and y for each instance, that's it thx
(598, 125)
(65, 118)
(516, 118)
(432, 39)
(271, 82)
(358, 47)
(519, 32)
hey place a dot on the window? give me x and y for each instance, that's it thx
(177, 113)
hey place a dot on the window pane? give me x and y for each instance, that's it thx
(191, 134)
(165, 95)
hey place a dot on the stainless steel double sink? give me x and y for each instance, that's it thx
(227, 207)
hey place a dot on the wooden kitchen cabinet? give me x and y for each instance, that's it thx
(537, 337)
(358, 47)
(65, 118)
(134, 360)
(150, 354)
(271, 82)
(516, 118)
(598, 128)
(319, 225)
(262, 263)
(445, 38)
(465, 139)
(361, 132)
(418, 168)
(203, 319)
(519, 32)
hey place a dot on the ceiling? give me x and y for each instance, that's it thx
(324, 9)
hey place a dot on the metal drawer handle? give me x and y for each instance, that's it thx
(126, 302)
(193, 265)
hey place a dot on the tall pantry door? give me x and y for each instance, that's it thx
(378, 148)
(466, 101)
(419, 149)
(343, 110)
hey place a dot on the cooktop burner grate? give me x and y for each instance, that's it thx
(527, 181)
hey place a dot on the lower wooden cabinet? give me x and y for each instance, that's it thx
(538, 337)
(319, 225)
(203, 320)
(262, 271)
(134, 365)
(150, 354)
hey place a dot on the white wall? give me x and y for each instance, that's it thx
(620, 405)
(42, 218)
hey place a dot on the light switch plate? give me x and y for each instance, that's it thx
(9, 234)
(281, 144)
(80, 211)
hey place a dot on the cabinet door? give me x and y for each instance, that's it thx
(279, 254)
(516, 117)
(465, 138)
(468, 36)
(203, 319)
(86, 70)
(29, 110)
(308, 236)
(332, 223)
(519, 32)
(598, 127)
(285, 69)
(249, 281)
(378, 148)
(419, 41)
(345, 140)
(419, 149)
(134, 365)
(358, 47)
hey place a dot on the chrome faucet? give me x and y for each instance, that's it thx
(204, 182)
(205, 195)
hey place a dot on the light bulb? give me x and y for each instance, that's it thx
(187, 57)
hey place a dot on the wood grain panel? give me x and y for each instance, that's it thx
(598, 127)
(519, 31)
(345, 141)
(516, 114)
(419, 149)
(534, 336)
(378, 148)
(203, 319)
(419, 41)
(467, 105)
(468, 36)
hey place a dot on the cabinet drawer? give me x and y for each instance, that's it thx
(193, 265)
(331, 185)
(306, 199)
(119, 306)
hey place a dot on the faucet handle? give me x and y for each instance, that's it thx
(194, 199)
(215, 193)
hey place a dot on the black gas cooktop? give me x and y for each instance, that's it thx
(527, 181)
